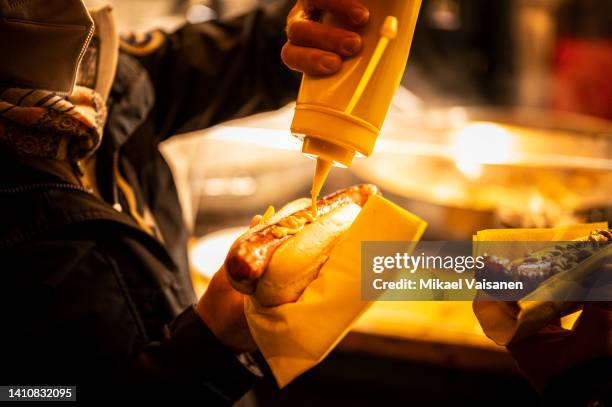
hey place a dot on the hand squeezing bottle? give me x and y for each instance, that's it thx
(340, 116)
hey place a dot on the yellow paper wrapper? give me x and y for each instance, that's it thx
(505, 322)
(295, 337)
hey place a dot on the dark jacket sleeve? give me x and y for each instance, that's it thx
(207, 73)
(192, 360)
(76, 317)
(186, 359)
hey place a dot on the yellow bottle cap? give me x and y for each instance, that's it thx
(334, 153)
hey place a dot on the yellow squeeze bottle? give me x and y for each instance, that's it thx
(340, 116)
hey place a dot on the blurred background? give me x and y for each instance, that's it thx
(503, 120)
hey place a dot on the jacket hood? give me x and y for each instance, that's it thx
(43, 43)
(55, 45)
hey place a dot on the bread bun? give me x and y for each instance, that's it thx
(296, 263)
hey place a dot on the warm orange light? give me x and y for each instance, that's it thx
(481, 143)
(208, 254)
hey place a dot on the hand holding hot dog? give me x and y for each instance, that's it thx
(222, 310)
(275, 260)
(554, 350)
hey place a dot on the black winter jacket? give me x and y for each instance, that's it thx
(90, 299)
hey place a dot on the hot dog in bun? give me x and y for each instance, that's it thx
(276, 260)
(536, 267)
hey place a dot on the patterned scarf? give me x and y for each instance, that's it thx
(41, 124)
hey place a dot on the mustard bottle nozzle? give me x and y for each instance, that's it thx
(321, 172)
